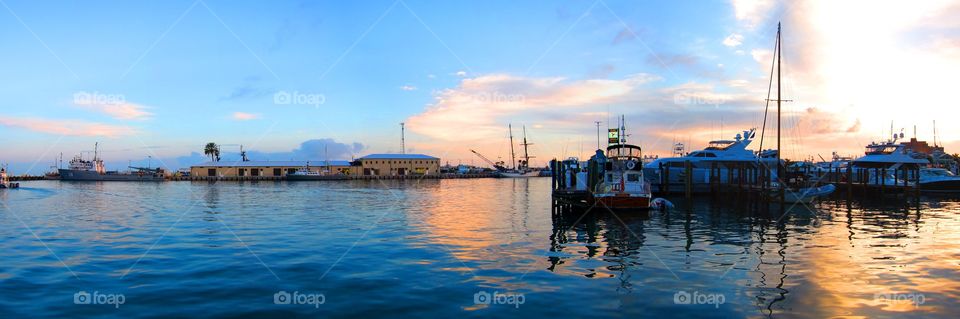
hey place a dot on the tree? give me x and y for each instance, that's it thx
(212, 150)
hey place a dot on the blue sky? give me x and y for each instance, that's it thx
(183, 73)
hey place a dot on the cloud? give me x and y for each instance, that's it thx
(114, 105)
(67, 127)
(483, 103)
(461, 73)
(672, 60)
(309, 150)
(241, 116)
(250, 89)
(733, 40)
(408, 88)
(752, 12)
(625, 34)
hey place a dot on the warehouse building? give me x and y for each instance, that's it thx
(397, 165)
(370, 165)
(267, 168)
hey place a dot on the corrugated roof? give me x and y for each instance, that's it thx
(271, 163)
(398, 156)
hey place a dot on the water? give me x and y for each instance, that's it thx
(428, 248)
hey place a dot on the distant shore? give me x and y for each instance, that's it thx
(283, 178)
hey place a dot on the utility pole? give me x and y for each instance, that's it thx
(598, 134)
(403, 142)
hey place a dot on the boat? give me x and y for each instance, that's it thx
(94, 170)
(307, 174)
(621, 185)
(519, 169)
(807, 194)
(722, 153)
(886, 163)
(5, 181)
(938, 180)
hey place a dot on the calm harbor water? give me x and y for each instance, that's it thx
(460, 248)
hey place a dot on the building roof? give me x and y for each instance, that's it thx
(399, 156)
(270, 163)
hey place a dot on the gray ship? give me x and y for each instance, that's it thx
(93, 170)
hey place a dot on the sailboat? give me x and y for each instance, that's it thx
(520, 168)
(789, 193)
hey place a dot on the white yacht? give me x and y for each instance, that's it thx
(939, 180)
(726, 151)
(890, 157)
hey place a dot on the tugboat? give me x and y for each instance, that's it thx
(94, 170)
(4, 182)
(621, 185)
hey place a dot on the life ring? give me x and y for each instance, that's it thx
(631, 165)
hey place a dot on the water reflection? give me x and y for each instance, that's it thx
(840, 258)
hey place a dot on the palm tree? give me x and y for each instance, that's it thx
(212, 150)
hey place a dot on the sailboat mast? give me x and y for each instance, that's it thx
(779, 55)
(513, 157)
(526, 156)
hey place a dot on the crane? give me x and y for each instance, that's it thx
(496, 165)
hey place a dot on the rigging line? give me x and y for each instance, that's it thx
(766, 108)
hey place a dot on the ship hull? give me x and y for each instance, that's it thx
(80, 175)
(624, 202)
(942, 186)
(518, 175)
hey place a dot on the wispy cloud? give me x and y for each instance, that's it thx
(733, 40)
(67, 127)
(114, 105)
(242, 116)
(483, 103)
(408, 88)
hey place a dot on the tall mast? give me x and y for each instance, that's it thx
(779, 56)
(526, 156)
(513, 157)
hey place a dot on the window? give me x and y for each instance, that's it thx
(633, 177)
(211, 172)
(277, 172)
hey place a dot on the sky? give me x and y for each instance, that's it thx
(153, 81)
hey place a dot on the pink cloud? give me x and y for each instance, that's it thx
(114, 105)
(241, 116)
(67, 127)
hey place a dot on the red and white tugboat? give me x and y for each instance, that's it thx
(622, 186)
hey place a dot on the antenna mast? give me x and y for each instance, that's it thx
(598, 134)
(403, 146)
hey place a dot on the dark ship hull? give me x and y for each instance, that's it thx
(83, 175)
